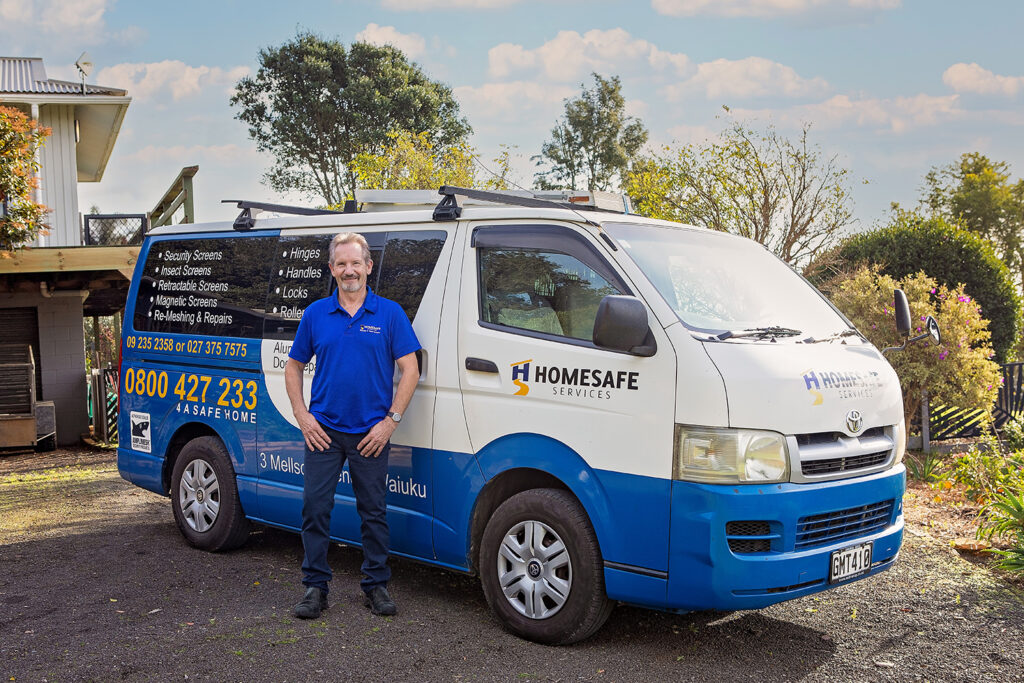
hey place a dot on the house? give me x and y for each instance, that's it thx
(47, 288)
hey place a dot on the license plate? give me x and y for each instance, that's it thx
(849, 562)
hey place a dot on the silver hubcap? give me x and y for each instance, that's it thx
(199, 495)
(534, 569)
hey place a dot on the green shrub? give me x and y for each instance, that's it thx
(987, 472)
(956, 372)
(927, 467)
(1013, 434)
(947, 253)
(1003, 517)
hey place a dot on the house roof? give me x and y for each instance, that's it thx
(27, 75)
(98, 110)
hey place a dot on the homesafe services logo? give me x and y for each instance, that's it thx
(521, 369)
(572, 382)
(842, 384)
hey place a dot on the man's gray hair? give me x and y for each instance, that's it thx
(349, 238)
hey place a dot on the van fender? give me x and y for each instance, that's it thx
(630, 513)
(548, 455)
(176, 426)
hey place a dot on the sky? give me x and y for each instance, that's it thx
(891, 88)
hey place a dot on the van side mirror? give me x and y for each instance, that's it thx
(902, 313)
(621, 325)
(903, 324)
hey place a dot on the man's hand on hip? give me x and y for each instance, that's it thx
(316, 438)
(378, 436)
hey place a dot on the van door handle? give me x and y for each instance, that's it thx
(481, 365)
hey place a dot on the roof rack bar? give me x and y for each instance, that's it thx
(449, 192)
(501, 197)
(246, 221)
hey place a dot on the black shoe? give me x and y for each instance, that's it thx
(312, 603)
(380, 602)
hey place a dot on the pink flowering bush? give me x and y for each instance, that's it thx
(959, 371)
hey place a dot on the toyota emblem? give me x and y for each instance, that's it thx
(854, 421)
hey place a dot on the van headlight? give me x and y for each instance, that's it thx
(900, 437)
(729, 456)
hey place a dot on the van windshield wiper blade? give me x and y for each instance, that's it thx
(833, 337)
(758, 332)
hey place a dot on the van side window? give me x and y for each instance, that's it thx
(402, 264)
(405, 267)
(215, 287)
(540, 291)
(299, 277)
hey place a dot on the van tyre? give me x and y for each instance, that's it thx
(204, 496)
(541, 568)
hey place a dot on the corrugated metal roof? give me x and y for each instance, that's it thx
(27, 75)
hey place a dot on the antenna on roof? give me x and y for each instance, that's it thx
(84, 66)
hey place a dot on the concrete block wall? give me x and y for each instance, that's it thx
(61, 358)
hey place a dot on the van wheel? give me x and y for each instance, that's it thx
(541, 568)
(204, 496)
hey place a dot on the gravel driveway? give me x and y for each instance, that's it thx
(96, 583)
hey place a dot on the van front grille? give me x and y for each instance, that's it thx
(749, 536)
(843, 464)
(834, 454)
(831, 527)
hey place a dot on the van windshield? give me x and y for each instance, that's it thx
(719, 283)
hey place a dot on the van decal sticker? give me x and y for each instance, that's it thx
(521, 369)
(141, 437)
(842, 384)
(289, 465)
(575, 382)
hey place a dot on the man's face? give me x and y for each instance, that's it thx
(349, 269)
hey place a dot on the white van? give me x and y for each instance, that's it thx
(611, 408)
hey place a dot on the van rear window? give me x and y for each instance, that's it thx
(206, 286)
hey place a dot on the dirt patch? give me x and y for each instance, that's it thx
(96, 583)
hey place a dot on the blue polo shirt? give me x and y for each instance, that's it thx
(355, 359)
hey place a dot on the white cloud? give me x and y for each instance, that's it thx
(515, 101)
(15, 11)
(82, 20)
(150, 81)
(569, 56)
(763, 8)
(972, 78)
(423, 5)
(750, 77)
(411, 44)
(898, 114)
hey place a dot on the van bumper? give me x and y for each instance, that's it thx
(704, 573)
(141, 469)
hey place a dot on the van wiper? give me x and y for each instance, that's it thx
(832, 337)
(757, 332)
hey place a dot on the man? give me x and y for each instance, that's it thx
(357, 337)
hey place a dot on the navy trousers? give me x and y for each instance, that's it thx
(369, 483)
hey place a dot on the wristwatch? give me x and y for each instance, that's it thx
(397, 417)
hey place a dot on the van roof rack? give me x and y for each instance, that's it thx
(590, 200)
(246, 221)
(449, 208)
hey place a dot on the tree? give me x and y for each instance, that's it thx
(316, 105)
(593, 142)
(411, 162)
(977, 194)
(21, 219)
(956, 372)
(776, 191)
(913, 243)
